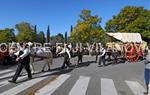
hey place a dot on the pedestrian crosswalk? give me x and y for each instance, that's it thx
(7, 75)
(5, 71)
(106, 84)
(49, 89)
(135, 87)
(79, 87)
(17, 90)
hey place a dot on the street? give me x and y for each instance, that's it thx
(85, 79)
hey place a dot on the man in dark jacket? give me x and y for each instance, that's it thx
(80, 55)
(23, 60)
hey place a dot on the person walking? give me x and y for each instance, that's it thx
(115, 55)
(48, 58)
(80, 55)
(109, 52)
(102, 56)
(67, 56)
(147, 71)
(23, 60)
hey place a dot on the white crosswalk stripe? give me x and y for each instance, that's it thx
(106, 84)
(136, 88)
(7, 75)
(17, 89)
(79, 89)
(4, 74)
(3, 83)
(49, 89)
(22, 87)
(5, 71)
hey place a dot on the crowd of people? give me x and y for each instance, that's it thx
(24, 55)
(8, 55)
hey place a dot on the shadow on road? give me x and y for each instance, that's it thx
(59, 71)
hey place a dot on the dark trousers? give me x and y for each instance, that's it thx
(115, 59)
(66, 61)
(147, 77)
(80, 58)
(21, 65)
(102, 59)
(96, 58)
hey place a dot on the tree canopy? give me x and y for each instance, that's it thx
(25, 32)
(48, 35)
(7, 35)
(131, 19)
(41, 37)
(59, 38)
(35, 34)
(87, 29)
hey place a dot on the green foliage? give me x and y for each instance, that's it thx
(88, 28)
(71, 29)
(66, 38)
(7, 35)
(131, 19)
(48, 34)
(59, 38)
(35, 34)
(25, 32)
(41, 37)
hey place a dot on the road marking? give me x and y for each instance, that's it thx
(7, 75)
(108, 87)
(136, 88)
(50, 88)
(5, 71)
(80, 86)
(3, 83)
(17, 89)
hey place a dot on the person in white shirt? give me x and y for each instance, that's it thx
(67, 56)
(102, 56)
(23, 60)
(20, 48)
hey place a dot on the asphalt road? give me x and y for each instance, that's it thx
(85, 79)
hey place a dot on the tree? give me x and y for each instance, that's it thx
(25, 32)
(131, 19)
(7, 35)
(48, 34)
(66, 39)
(71, 29)
(59, 38)
(41, 37)
(87, 29)
(35, 34)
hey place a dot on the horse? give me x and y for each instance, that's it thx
(43, 53)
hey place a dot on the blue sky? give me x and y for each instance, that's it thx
(59, 14)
